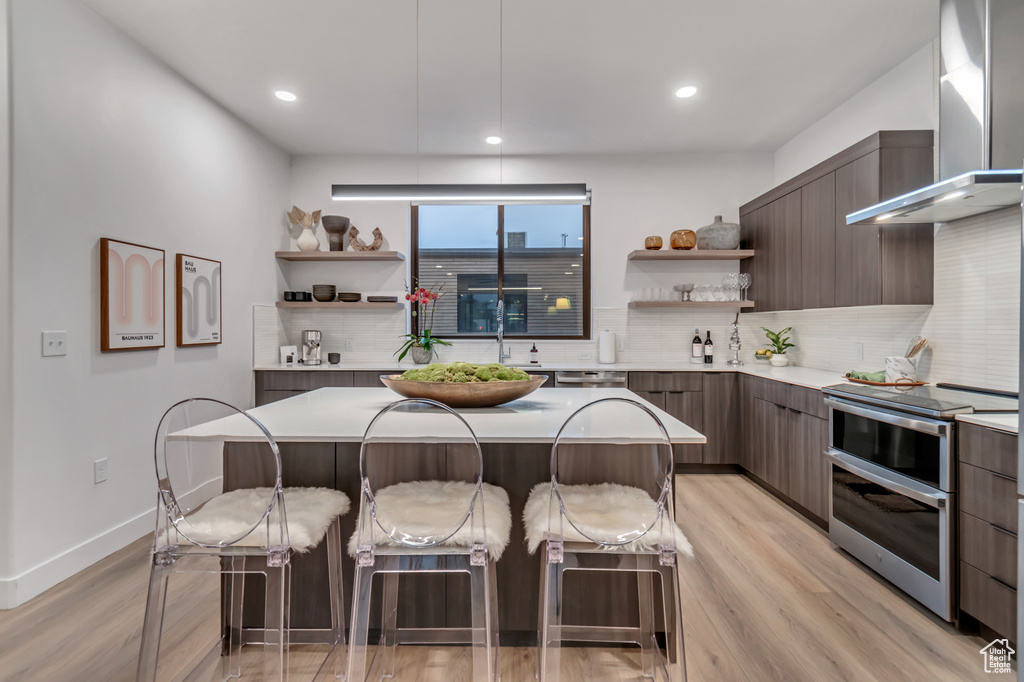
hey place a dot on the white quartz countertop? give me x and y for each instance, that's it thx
(1002, 421)
(338, 415)
(799, 376)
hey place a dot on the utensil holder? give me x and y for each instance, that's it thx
(897, 368)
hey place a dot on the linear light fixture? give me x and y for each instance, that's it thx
(567, 192)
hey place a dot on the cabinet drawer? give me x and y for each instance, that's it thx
(807, 400)
(988, 548)
(988, 448)
(988, 600)
(666, 381)
(990, 496)
(265, 397)
(304, 380)
(369, 379)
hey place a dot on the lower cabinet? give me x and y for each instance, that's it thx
(679, 394)
(722, 418)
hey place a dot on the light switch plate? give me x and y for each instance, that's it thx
(586, 356)
(55, 343)
(350, 345)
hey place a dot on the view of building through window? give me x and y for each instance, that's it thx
(540, 271)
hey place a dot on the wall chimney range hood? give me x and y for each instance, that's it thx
(981, 118)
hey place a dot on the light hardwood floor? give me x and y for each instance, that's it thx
(765, 598)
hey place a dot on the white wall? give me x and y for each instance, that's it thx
(6, 368)
(108, 142)
(902, 99)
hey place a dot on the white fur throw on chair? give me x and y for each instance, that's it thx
(603, 511)
(427, 508)
(310, 512)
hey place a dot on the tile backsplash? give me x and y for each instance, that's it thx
(972, 326)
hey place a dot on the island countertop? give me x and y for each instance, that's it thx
(341, 415)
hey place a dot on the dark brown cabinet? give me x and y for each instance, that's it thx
(274, 385)
(721, 398)
(679, 394)
(808, 257)
(988, 526)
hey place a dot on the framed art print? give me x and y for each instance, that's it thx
(131, 296)
(198, 318)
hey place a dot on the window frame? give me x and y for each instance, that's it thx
(414, 268)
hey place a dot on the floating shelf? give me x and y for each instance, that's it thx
(338, 305)
(692, 254)
(707, 305)
(339, 255)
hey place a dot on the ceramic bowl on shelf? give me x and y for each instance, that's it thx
(480, 394)
(349, 296)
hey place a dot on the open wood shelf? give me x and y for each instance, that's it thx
(339, 305)
(339, 255)
(691, 304)
(692, 254)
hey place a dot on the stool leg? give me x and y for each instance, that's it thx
(645, 591)
(495, 638)
(275, 639)
(480, 601)
(334, 571)
(359, 632)
(231, 665)
(152, 626)
(551, 620)
(389, 624)
(673, 621)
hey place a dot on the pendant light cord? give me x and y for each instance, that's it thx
(501, 91)
(417, 92)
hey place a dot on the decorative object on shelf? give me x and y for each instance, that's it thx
(780, 343)
(307, 241)
(683, 240)
(324, 292)
(353, 240)
(421, 343)
(349, 296)
(652, 243)
(684, 289)
(198, 289)
(131, 296)
(719, 236)
(744, 281)
(381, 299)
(734, 343)
(335, 226)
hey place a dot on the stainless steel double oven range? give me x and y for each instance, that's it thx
(893, 463)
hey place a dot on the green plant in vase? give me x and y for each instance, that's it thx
(780, 343)
(421, 343)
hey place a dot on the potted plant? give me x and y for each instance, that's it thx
(421, 343)
(780, 342)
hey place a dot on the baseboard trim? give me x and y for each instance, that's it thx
(17, 590)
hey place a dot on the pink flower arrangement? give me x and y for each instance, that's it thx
(424, 339)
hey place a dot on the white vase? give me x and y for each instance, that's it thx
(779, 360)
(307, 241)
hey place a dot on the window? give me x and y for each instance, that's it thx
(535, 257)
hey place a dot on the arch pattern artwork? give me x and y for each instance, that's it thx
(131, 296)
(198, 318)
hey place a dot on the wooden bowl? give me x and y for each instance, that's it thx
(478, 394)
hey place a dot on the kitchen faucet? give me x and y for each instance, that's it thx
(502, 355)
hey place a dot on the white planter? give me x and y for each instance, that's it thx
(779, 360)
(307, 241)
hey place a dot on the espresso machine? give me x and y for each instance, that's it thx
(311, 347)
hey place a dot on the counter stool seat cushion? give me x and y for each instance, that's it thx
(604, 512)
(428, 508)
(310, 513)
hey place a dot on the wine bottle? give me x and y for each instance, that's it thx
(709, 350)
(697, 353)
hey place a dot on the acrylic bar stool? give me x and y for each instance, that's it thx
(424, 508)
(620, 522)
(233, 534)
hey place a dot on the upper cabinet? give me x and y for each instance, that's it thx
(808, 257)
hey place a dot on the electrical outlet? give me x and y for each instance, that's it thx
(620, 343)
(99, 470)
(55, 343)
(350, 345)
(858, 350)
(585, 356)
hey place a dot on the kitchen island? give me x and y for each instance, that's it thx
(319, 435)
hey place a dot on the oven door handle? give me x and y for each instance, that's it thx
(936, 500)
(934, 428)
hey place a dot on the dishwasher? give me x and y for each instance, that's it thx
(598, 379)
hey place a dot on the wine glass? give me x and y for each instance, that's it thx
(744, 283)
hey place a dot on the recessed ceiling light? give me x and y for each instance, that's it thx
(686, 91)
(285, 96)
(492, 139)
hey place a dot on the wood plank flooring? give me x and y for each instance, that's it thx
(765, 598)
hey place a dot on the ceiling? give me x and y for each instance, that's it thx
(549, 76)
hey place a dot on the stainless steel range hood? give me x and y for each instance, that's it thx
(981, 118)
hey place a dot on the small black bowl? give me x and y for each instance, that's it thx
(289, 295)
(334, 358)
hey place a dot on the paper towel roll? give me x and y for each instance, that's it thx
(606, 347)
